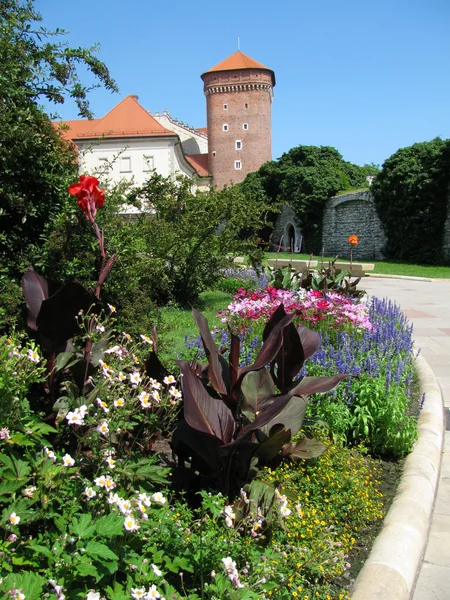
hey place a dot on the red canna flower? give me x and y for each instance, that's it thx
(353, 240)
(90, 197)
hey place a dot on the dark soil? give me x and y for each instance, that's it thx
(389, 479)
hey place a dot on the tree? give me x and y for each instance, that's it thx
(305, 177)
(411, 198)
(35, 163)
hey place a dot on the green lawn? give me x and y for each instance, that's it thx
(382, 267)
(177, 323)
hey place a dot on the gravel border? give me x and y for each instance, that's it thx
(391, 570)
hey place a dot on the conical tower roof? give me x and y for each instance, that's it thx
(239, 61)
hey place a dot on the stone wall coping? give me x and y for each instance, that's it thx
(298, 265)
(353, 264)
(391, 570)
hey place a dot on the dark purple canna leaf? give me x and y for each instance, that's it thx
(310, 341)
(154, 367)
(290, 357)
(271, 447)
(270, 347)
(258, 391)
(186, 440)
(57, 319)
(217, 365)
(35, 290)
(276, 317)
(234, 358)
(291, 417)
(203, 412)
(317, 385)
(304, 449)
(271, 411)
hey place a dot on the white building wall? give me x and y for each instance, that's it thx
(131, 158)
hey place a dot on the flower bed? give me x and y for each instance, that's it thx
(95, 506)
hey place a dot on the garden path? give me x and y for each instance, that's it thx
(426, 303)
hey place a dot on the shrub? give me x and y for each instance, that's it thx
(194, 234)
(411, 198)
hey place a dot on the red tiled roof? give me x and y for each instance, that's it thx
(126, 119)
(200, 163)
(238, 61)
(203, 130)
(73, 128)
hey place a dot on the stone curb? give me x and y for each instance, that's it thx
(407, 277)
(391, 570)
(389, 276)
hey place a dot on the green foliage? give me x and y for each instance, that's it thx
(377, 418)
(136, 282)
(19, 370)
(36, 165)
(32, 67)
(190, 236)
(305, 177)
(411, 198)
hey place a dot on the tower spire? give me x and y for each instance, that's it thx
(239, 44)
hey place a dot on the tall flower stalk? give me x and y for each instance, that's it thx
(353, 241)
(90, 198)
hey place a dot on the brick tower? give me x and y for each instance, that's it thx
(239, 94)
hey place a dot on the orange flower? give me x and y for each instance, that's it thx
(353, 240)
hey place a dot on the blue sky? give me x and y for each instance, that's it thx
(367, 77)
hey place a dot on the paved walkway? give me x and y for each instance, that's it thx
(427, 305)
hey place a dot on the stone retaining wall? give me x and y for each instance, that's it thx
(352, 213)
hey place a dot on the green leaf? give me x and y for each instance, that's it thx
(86, 569)
(38, 549)
(9, 487)
(61, 523)
(97, 549)
(22, 469)
(82, 527)
(7, 461)
(118, 593)
(109, 525)
(62, 360)
(31, 583)
(62, 407)
(39, 427)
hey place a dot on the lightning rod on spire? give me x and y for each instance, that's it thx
(239, 44)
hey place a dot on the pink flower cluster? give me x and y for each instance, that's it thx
(311, 307)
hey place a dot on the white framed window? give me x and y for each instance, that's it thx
(225, 126)
(148, 163)
(246, 105)
(237, 165)
(225, 107)
(245, 126)
(125, 164)
(213, 152)
(238, 144)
